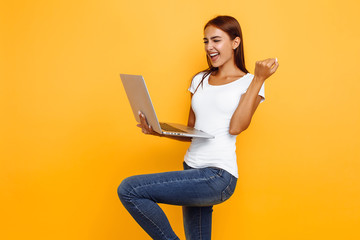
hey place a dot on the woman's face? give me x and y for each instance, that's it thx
(218, 46)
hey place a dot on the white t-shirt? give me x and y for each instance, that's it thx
(214, 106)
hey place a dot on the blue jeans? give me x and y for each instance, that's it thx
(197, 190)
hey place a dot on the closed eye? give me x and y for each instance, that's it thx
(214, 41)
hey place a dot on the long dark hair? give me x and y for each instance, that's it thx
(232, 27)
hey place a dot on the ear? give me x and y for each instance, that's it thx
(236, 43)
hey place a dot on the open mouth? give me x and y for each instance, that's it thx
(214, 56)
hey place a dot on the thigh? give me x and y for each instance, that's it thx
(192, 187)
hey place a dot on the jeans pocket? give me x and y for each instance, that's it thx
(217, 171)
(229, 190)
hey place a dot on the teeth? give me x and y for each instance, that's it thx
(213, 54)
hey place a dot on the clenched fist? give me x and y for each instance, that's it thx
(265, 68)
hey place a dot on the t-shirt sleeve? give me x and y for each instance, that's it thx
(195, 82)
(261, 92)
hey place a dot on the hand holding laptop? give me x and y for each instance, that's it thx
(140, 101)
(146, 128)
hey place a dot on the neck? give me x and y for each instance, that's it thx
(229, 69)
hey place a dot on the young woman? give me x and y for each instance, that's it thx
(224, 99)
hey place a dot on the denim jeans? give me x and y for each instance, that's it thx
(197, 190)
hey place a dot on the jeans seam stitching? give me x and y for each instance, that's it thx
(180, 180)
(200, 224)
(147, 218)
(225, 190)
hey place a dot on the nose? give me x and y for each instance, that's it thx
(208, 47)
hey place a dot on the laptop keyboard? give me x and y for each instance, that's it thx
(167, 128)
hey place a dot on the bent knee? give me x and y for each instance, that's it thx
(125, 188)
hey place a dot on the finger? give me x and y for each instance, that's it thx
(142, 119)
(274, 68)
(151, 130)
(144, 130)
(140, 116)
(270, 62)
(144, 122)
(146, 125)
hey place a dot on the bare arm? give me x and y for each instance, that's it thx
(191, 120)
(250, 100)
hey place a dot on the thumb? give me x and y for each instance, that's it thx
(276, 65)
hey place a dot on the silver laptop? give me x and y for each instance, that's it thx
(139, 99)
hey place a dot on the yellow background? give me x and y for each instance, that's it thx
(68, 137)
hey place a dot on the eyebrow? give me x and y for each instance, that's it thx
(212, 37)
